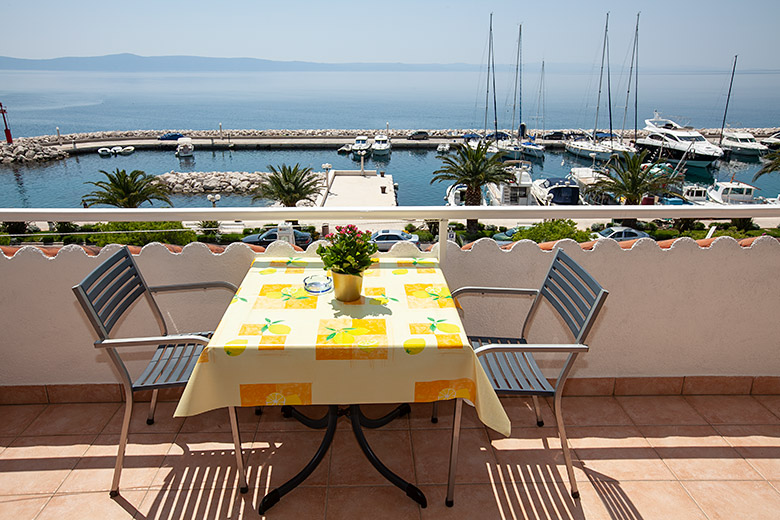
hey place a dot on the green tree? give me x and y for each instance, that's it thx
(474, 168)
(630, 178)
(550, 230)
(127, 190)
(289, 185)
(772, 166)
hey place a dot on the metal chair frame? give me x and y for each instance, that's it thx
(509, 363)
(106, 294)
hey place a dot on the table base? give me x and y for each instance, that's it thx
(328, 422)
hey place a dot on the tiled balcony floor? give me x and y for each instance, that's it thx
(671, 457)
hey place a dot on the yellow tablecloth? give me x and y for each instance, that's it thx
(402, 342)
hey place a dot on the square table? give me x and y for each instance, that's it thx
(402, 342)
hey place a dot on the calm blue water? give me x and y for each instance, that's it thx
(61, 184)
(39, 101)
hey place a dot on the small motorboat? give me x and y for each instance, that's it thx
(743, 143)
(184, 147)
(381, 145)
(104, 152)
(127, 150)
(361, 147)
(732, 192)
(443, 148)
(116, 150)
(347, 148)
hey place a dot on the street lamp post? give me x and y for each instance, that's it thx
(213, 199)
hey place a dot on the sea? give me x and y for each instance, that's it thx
(39, 102)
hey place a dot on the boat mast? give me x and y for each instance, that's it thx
(487, 89)
(601, 77)
(540, 99)
(631, 73)
(609, 86)
(728, 97)
(518, 80)
(493, 66)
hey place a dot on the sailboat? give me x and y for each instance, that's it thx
(488, 140)
(515, 147)
(738, 143)
(616, 142)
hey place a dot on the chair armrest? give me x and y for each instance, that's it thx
(151, 340)
(571, 348)
(193, 285)
(495, 290)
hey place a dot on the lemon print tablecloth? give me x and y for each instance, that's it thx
(402, 342)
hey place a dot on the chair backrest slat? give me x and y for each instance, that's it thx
(99, 285)
(108, 286)
(124, 304)
(573, 293)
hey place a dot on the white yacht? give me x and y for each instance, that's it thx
(516, 148)
(516, 192)
(184, 147)
(772, 142)
(492, 149)
(732, 192)
(556, 192)
(381, 145)
(361, 146)
(456, 195)
(742, 143)
(589, 149)
(672, 142)
(618, 146)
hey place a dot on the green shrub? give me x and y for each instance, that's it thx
(64, 228)
(664, 234)
(73, 239)
(48, 239)
(137, 237)
(229, 238)
(425, 236)
(209, 225)
(550, 230)
(410, 228)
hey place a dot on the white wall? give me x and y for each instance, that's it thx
(681, 311)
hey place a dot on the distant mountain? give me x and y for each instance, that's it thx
(135, 63)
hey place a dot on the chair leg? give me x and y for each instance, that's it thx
(120, 454)
(152, 407)
(538, 410)
(242, 483)
(450, 500)
(435, 412)
(565, 446)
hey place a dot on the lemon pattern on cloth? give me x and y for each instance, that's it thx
(235, 347)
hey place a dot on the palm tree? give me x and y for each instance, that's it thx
(772, 166)
(127, 190)
(631, 178)
(474, 168)
(289, 185)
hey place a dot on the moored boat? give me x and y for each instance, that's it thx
(732, 192)
(589, 149)
(104, 152)
(456, 195)
(361, 146)
(127, 150)
(116, 150)
(742, 143)
(381, 145)
(669, 141)
(516, 192)
(556, 192)
(184, 147)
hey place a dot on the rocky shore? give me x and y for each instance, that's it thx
(211, 182)
(30, 149)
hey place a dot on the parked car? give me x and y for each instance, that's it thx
(170, 136)
(386, 238)
(507, 235)
(619, 233)
(302, 239)
(555, 136)
(419, 135)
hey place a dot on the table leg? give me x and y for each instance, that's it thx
(411, 491)
(275, 495)
(399, 411)
(449, 501)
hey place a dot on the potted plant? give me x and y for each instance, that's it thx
(347, 256)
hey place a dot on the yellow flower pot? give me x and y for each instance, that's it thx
(347, 287)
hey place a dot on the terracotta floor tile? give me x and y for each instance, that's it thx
(278, 456)
(349, 466)
(420, 418)
(735, 499)
(532, 455)
(22, 507)
(91, 505)
(18, 417)
(731, 409)
(648, 500)
(200, 461)
(432, 454)
(218, 421)
(72, 419)
(593, 411)
(521, 411)
(772, 402)
(303, 503)
(758, 444)
(376, 503)
(40, 464)
(5, 442)
(660, 410)
(164, 421)
(143, 457)
(503, 499)
(616, 453)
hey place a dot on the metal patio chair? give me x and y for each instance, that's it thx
(106, 294)
(509, 362)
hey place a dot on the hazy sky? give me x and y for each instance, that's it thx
(673, 33)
